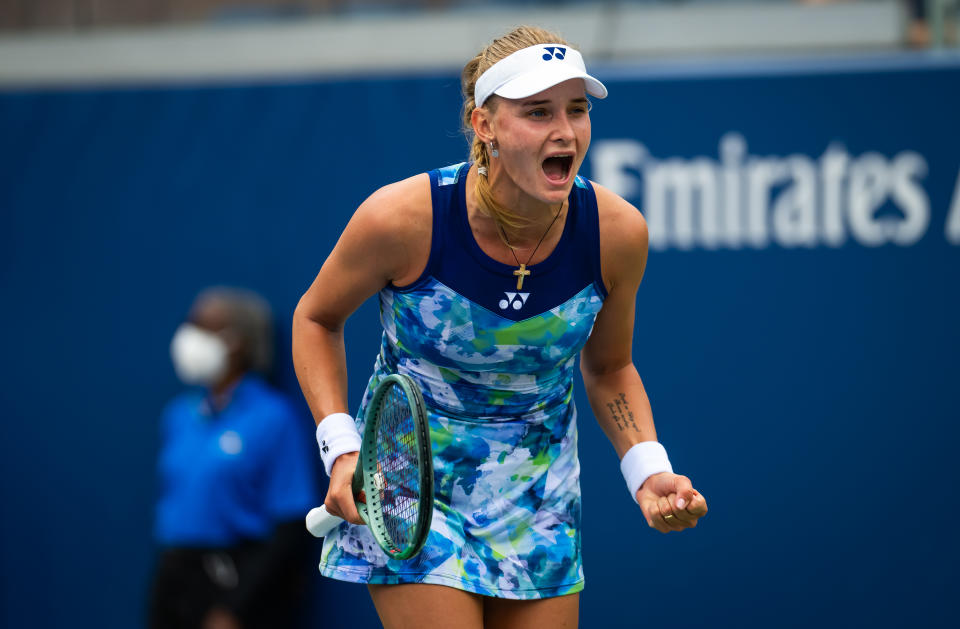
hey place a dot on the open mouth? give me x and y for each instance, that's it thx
(557, 168)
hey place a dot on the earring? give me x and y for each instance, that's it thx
(493, 151)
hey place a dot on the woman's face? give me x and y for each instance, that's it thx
(543, 139)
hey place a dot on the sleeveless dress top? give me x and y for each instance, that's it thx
(495, 365)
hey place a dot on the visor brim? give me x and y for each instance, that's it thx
(534, 82)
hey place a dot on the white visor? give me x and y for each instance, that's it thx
(532, 70)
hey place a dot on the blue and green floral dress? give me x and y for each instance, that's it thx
(496, 368)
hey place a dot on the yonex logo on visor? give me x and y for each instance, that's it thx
(554, 51)
(524, 73)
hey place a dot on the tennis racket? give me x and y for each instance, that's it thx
(393, 483)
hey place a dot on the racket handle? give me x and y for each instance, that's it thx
(319, 522)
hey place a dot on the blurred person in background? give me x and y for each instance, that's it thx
(918, 30)
(237, 473)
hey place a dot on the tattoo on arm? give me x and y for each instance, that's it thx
(621, 413)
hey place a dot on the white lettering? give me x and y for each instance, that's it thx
(869, 181)
(833, 169)
(740, 200)
(953, 216)
(762, 175)
(910, 197)
(610, 159)
(733, 149)
(687, 194)
(795, 210)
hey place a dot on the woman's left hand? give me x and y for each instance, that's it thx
(670, 503)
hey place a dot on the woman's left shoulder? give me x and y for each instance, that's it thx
(623, 230)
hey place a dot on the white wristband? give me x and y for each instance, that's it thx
(337, 434)
(641, 462)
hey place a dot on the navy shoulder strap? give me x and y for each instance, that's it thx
(443, 196)
(584, 197)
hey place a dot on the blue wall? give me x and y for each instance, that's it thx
(797, 327)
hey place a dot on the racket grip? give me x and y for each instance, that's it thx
(319, 522)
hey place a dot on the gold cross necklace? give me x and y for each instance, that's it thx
(523, 271)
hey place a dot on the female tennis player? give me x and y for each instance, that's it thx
(492, 276)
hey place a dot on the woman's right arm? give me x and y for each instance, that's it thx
(386, 240)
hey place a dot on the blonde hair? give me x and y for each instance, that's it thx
(517, 39)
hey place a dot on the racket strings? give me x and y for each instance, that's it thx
(398, 468)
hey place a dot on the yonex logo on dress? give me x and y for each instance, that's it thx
(514, 300)
(554, 52)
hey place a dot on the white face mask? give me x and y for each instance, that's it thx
(199, 356)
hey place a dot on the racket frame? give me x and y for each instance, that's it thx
(364, 477)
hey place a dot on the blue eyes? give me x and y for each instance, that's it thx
(541, 114)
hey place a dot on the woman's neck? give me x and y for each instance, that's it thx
(539, 216)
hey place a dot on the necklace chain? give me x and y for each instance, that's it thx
(523, 271)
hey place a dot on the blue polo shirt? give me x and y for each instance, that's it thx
(231, 476)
